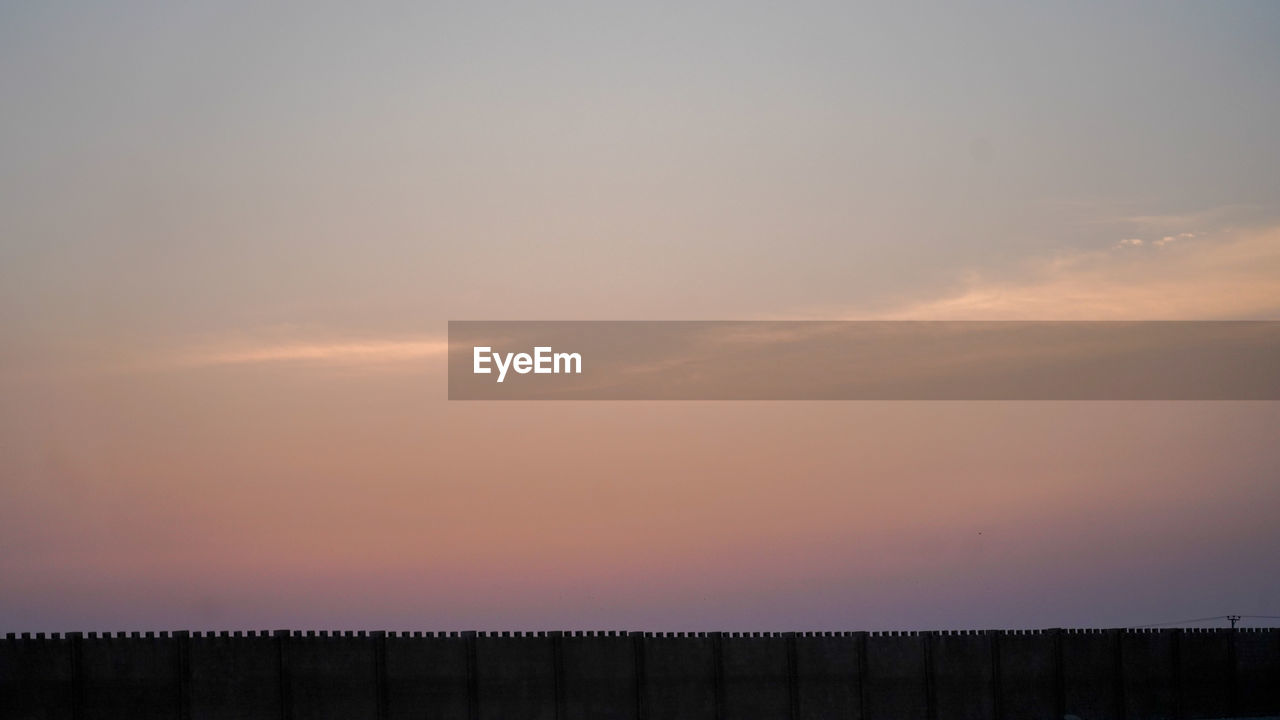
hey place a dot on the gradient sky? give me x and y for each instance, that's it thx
(231, 237)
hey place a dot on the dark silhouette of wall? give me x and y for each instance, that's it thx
(991, 675)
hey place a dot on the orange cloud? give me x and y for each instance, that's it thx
(1180, 276)
(347, 353)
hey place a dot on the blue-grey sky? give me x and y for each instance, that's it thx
(179, 166)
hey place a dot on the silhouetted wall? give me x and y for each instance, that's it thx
(991, 675)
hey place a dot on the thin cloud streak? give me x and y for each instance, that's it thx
(1182, 276)
(347, 353)
(1215, 216)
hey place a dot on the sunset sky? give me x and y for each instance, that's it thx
(231, 237)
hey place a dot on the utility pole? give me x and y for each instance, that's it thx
(1234, 619)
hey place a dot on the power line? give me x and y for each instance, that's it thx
(1233, 619)
(1186, 622)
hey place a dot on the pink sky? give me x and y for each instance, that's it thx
(231, 238)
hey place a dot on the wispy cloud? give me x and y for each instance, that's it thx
(364, 352)
(268, 349)
(1161, 242)
(1175, 276)
(1213, 217)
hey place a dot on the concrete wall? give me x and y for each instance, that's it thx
(234, 675)
(1091, 674)
(681, 676)
(38, 678)
(516, 676)
(829, 668)
(896, 680)
(330, 676)
(130, 676)
(964, 675)
(1029, 679)
(1204, 676)
(601, 676)
(427, 677)
(756, 672)
(1255, 688)
(995, 675)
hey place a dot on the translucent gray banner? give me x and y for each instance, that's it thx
(871, 360)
